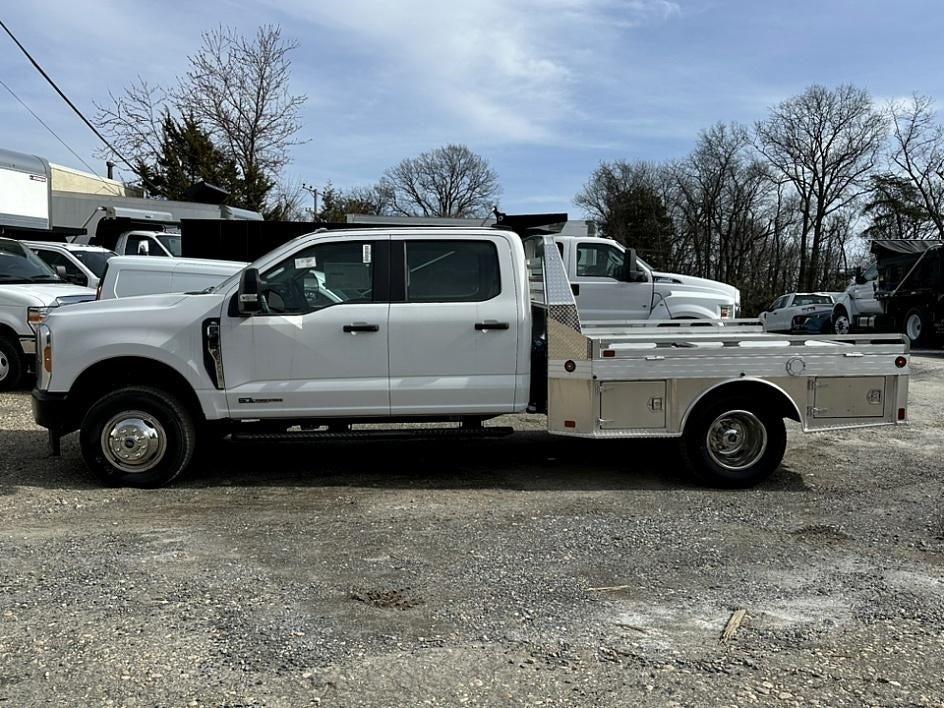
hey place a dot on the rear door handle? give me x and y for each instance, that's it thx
(361, 327)
(491, 324)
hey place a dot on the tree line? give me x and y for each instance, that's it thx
(780, 205)
(772, 207)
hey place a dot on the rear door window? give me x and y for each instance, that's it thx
(452, 271)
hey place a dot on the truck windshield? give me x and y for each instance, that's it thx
(18, 264)
(172, 243)
(95, 261)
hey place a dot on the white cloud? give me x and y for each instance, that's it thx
(497, 71)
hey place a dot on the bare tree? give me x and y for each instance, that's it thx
(134, 123)
(238, 88)
(825, 144)
(450, 181)
(236, 91)
(918, 152)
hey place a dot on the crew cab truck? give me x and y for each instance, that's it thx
(336, 329)
(28, 288)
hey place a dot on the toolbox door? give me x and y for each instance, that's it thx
(632, 404)
(849, 397)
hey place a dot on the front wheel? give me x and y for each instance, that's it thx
(841, 322)
(137, 437)
(734, 443)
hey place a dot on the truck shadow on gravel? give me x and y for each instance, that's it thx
(526, 461)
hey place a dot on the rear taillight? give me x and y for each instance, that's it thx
(901, 362)
(902, 414)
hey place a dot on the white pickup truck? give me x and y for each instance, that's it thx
(337, 329)
(595, 268)
(28, 288)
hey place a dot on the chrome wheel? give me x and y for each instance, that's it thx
(736, 440)
(133, 441)
(4, 366)
(913, 327)
(841, 324)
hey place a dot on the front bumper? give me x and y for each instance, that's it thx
(54, 412)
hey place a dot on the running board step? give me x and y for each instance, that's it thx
(379, 434)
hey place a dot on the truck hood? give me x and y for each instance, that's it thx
(673, 283)
(43, 294)
(139, 303)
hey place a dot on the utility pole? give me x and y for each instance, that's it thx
(313, 191)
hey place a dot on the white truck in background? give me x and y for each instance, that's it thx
(131, 276)
(149, 243)
(597, 270)
(75, 263)
(857, 308)
(28, 289)
(341, 328)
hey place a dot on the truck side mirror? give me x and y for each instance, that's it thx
(859, 277)
(249, 297)
(631, 272)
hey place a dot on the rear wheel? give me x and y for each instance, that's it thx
(11, 365)
(917, 327)
(137, 437)
(734, 443)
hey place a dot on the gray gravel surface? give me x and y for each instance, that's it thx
(522, 571)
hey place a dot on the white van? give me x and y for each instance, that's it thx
(127, 276)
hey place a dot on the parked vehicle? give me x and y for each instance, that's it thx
(820, 322)
(857, 309)
(28, 288)
(166, 244)
(129, 276)
(911, 287)
(594, 268)
(434, 325)
(901, 291)
(783, 312)
(74, 263)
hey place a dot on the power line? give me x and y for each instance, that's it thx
(51, 131)
(64, 97)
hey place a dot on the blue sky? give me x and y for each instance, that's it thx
(545, 89)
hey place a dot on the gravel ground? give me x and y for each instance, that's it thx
(523, 571)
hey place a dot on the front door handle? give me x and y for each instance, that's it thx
(491, 324)
(360, 327)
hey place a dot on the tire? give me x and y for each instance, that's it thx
(153, 436)
(717, 458)
(917, 327)
(11, 365)
(841, 322)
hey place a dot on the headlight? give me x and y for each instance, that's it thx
(35, 316)
(727, 312)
